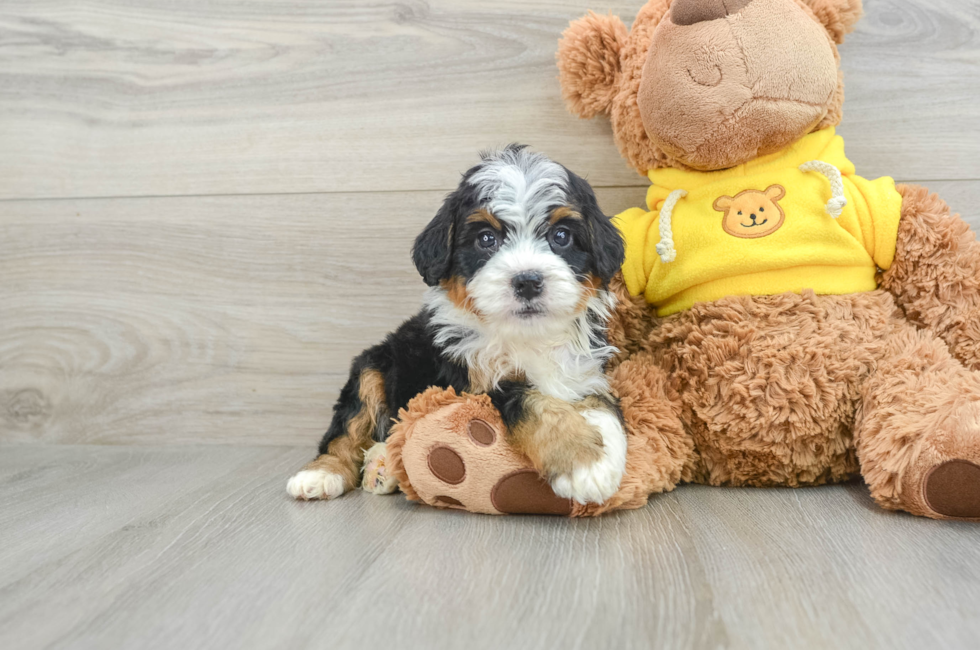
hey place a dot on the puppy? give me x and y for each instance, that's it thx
(517, 260)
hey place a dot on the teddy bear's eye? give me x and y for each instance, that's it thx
(740, 213)
(762, 209)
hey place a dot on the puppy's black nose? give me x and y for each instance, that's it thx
(527, 285)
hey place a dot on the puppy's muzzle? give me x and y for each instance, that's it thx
(528, 285)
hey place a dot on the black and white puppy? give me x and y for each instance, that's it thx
(518, 260)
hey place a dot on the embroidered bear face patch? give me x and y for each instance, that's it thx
(751, 214)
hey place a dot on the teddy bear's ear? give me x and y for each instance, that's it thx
(775, 192)
(722, 203)
(838, 16)
(588, 63)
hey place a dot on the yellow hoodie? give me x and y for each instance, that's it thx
(761, 228)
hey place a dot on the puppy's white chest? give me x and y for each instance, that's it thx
(564, 375)
(555, 371)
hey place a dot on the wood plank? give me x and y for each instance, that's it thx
(115, 98)
(191, 547)
(908, 68)
(221, 319)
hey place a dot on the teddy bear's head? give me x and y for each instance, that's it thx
(709, 84)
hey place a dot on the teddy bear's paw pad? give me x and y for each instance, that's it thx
(446, 465)
(525, 492)
(952, 489)
(315, 484)
(376, 478)
(598, 481)
(481, 433)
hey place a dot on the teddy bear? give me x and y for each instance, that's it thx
(781, 320)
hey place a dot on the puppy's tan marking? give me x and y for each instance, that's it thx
(455, 289)
(564, 212)
(482, 381)
(590, 287)
(554, 435)
(346, 454)
(483, 215)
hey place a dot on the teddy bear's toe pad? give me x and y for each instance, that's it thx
(446, 465)
(481, 433)
(953, 489)
(525, 492)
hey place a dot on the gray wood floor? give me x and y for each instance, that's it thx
(199, 547)
(206, 209)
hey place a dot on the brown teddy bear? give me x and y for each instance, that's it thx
(781, 320)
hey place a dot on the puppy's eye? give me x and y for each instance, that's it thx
(561, 237)
(486, 240)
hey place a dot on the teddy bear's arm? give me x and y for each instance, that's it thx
(935, 277)
(630, 322)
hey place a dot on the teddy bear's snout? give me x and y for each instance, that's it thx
(690, 12)
(705, 69)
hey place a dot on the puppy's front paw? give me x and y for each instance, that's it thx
(597, 481)
(315, 484)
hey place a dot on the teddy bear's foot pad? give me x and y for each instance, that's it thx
(459, 458)
(952, 489)
(525, 492)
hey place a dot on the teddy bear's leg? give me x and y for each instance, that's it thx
(917, 430)
(935, 277)
(453, 451)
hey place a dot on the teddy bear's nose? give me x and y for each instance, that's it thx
(689, 12)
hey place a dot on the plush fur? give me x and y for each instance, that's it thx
(936, 274)
(518, 261)
(782, 390)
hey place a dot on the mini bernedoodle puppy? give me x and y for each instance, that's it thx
(518, 260)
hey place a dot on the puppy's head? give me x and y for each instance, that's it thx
(521, 241)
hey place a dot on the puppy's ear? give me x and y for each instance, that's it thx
(608, 250)
(433, 249)
(605, 241)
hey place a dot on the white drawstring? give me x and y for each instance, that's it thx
(665, 249)
(835, 206)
